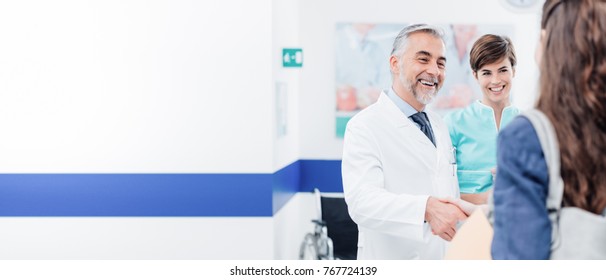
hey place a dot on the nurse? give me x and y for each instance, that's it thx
(474, 130)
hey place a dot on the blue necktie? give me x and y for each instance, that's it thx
(421, 119)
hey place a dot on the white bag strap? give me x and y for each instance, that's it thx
(551, 150)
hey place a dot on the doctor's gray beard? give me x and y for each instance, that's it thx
(424, 98)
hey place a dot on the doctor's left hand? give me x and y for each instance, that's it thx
(443, 218)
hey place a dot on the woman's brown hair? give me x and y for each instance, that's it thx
(573, 95)
(490, 49)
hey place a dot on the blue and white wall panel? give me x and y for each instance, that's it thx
(136, 129)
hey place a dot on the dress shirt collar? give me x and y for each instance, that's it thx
(406, 108)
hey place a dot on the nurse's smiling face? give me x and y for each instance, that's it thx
(495, 80)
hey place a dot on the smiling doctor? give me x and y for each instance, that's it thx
(398, 160)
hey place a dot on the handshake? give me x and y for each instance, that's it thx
(444, 214)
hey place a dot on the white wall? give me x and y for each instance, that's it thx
(285, 34)
(136, 238)
(136, 86)
(292, 222)
(318, 19)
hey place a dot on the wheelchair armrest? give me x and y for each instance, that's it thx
(319, 222)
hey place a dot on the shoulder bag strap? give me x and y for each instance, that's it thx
(550, 146)
(551, 150)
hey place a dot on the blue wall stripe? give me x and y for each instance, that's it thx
(286, 185)
(322, 174)
(135, 195)
(211, 195)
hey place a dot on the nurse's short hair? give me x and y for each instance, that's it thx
(489, 49)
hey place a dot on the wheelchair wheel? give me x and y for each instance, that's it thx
(309, 249)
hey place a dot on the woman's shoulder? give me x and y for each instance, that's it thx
(519, 150)
(520, 127)
(520, 134)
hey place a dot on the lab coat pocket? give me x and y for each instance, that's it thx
(448, 173)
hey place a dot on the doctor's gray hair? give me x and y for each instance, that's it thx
(401, 41)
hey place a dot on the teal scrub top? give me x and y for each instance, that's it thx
(473, 132)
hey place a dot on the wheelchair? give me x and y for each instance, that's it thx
(335, 235)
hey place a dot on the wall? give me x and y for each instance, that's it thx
(292, 222)
(136, 86)
(136, 238)
(104, 97)
(287, 215)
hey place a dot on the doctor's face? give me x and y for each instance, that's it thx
(422, 67)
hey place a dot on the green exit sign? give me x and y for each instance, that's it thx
(292, 58)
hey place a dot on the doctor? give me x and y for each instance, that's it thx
(398, 160)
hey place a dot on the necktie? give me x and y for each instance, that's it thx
(421, 119)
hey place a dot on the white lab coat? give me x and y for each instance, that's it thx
(390, 168)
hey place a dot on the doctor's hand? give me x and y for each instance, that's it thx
(443, 217)
(467, 207)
